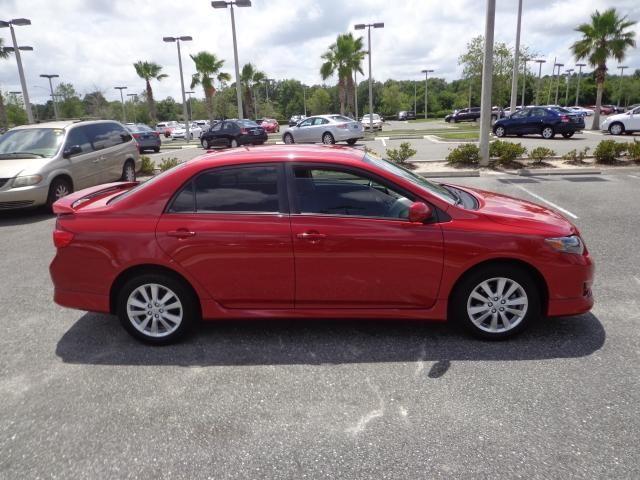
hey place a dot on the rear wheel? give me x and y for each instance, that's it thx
(288, 139)
(616, 128)
(156, 149)
(328, 139)
(60, 187)
(234, 143)
(568, 134)
(157, 309)
(548, 132)
(128, 171)
(500, 131)
(496, 302)
(352, 141)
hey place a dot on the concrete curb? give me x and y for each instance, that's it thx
(450, 174)
(525, 172)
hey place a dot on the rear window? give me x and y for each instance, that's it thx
(247, 123)
(341, 118)
(138, 128)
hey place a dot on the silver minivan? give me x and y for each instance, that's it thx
(43, 162)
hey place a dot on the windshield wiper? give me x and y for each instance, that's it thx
(39, 155)
(455, 194)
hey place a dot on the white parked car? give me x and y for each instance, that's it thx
(587, 112)
(327, 129)
(620, 123)
(180, 132)
(366, 122)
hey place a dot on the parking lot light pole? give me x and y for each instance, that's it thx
(579, 65)
(559, 65)
(621, 68)
(237, 3)
(516, 53)
(487, 76)
(524, 77)
(355, 92)
(553, 78)
(304, 99)
(177, 40)
(25, 94)
(362, 26)
(190, 92)
(134, 100)
(53, 98)
(539, 61)
(426, 90)
(566, 98)
(124, 112)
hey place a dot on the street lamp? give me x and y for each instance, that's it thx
(25, 94)
(524, 77)
(621, 68)
(569, 71)
(237, 3)
(304, 99)
(362, 26)
(177, 40)
(579, 65)
(134, 100)
(124, 113)
(53, 99)
(426, 90)
(190, 92)
(539, 62)
(355, 90)
(514, 78)
(487, 79)
(559, 65)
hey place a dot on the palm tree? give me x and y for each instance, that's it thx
(250, 77)
(208, 67)
(3, 111)
(150, 71)
(344, 57)
(606, 36)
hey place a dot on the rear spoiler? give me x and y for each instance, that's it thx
(72, 202)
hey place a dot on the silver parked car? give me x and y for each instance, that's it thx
(327, 129)
(43, 162)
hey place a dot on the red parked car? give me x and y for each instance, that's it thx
(270, 125)
(312, 231)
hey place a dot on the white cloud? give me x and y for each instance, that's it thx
(93, 43)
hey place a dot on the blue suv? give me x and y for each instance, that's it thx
(545, 121)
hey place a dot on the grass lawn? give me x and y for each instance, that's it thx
(458, 135)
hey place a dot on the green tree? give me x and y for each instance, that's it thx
(343, 58)
(393, 99)
(69, 104)
(208, 67)
(16, 114)
(3, 112)
(607, 36)
(168, 109)
(150, 71)
(319, 102)
(250, 77)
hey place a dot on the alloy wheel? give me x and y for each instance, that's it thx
(61, 190)
(615, 129)
(129, 173)
(497, 305)
(547, 132)
(500, 132)
(154, 310)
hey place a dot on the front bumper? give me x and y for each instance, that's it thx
(24, 197)
(570, 287)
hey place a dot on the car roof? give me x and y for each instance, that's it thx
(62, 124)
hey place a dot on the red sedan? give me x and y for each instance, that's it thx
(270, 125)
(307, 232)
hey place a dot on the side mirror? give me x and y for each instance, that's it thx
(419, 212)
(71, 151)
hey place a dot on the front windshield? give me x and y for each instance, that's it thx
(31, 143)
(433, 188)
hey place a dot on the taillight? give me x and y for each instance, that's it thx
(62, 238)
(244, 131)
(564, 119)
(344, 126)
(136, 136)
(156, 134)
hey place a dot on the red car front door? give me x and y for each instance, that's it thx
(227, 229)
(354, 247)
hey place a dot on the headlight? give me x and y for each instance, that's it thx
(572, 244)
(26, 181)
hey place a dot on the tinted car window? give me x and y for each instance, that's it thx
(79, 136)
(242, 189)
(307, 122)
(342, 118)
(216, 127)
(247, 123)
(105, 135)
(229, 126)
(520, 114)
(335, 192)
(538, 112)
(185, 201)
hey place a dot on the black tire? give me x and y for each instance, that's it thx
(205, 144)
(352, 141)
(128, 171)
(547, 132)
(189, 312)
(328, 139)
(616, 128)
(568, 134)
(500, 131)
(156, 149)
(234, 143)
(287, 138)
(59, 188)
(460, 300)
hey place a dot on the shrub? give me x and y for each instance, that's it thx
(538, 154)
(506, 152)
(608, 151)
(147, 165)
(633, 150)
(401, 155)
(167, 163)
(465, 154)
(576, 157)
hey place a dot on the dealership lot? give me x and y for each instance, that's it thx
(332, 399)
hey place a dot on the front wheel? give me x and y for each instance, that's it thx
(616, 129)
(156, 309)
(500, 131)
(328, 139)
(205, 144)
(548, 133)
(496, 302)
(60, 187)
(568, 134)
(352, 141)
(288, 139)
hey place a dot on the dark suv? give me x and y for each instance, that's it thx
(545, 121)
(464, 115)
(233, 133)
(406, 115)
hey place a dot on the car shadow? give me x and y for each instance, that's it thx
(100, 340)
(24, 216)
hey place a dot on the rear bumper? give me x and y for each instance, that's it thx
(252, 139)
(348, 135)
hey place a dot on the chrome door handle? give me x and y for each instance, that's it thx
(311, 236)
(181, 233)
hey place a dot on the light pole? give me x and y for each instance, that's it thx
(134, 100)
(553, 77)
(177, 40)
(268, 82)
(190, 92)
(355, 91)
(25, 94)
(569, 71)
(487, 77)
(621, 68)
(415, 98)
(304, 99)
(237, 3)
(524, 76)
(53, 99)
(124, 112)
(426, 90)
(514, 77)
(579, 65)
(559, 65)
(539, 62)
(362, 26)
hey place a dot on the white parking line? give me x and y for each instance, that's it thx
(383, 140)
(633, 176)
(538, 197)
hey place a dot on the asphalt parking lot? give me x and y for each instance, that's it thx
(329, 399)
